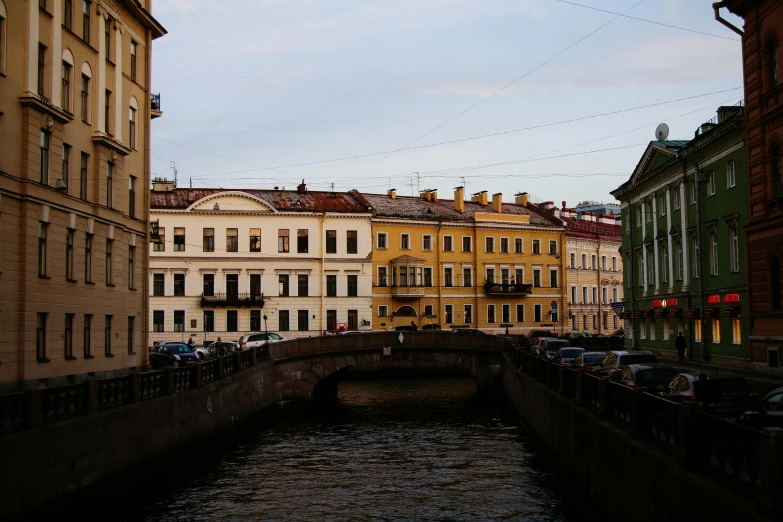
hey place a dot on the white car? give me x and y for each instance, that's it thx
(256, 340)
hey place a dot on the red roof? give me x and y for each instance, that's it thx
(594, 230)
(282, 200)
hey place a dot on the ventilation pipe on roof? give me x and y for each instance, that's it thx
(482, 198)
(521, 198)
(302, 188)
(459, 199)
(497, 202)
(393, 193)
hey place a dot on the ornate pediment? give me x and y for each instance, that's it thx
(232, 202)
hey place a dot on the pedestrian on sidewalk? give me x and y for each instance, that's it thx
(680, 344)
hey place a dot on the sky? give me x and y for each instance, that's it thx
(539, 96)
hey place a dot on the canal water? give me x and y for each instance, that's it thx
(395, 449)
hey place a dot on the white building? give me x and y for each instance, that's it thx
(237, 261)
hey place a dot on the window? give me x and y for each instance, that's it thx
(40, 337)
(83, 177)
(42, 229)
(158, 321)
(133, 50)
(736, 331)
(572, 260)
(232, 240)
(353, 285)
(552, 247)
(504, 245)
(710, 183)
(44, 157)
(255, 285)
(232, 321)
(639, 216)
(381, 241)
(692, 191)
(696, 269)
(132, 128)
(107, 112)
(132, 267)
(352, 242)
(537, 310)
(87, 338)
(584, 261)
(331, 241)
(553, 277)
(661, 205)
(41, 68)
(208, 285)
(255, 320)
(716, 331)
(179, 284)
(88, 258)
(777, 169)
(428, 310)
(107, 336)
(648, 211)
(733, 249)
(232, 285)
(107, 38)
(353, 319)
(331, 285)
(302, 284)
(405, 241)
(595, 295)
(427, 276)
(520, 275)
(614, 264)
(537, 277)
(490, 275)
(303, 320)
(504, 276)
(331, 320)
(179, 320)
(255, 240)
(110, 192)
(179, 240)
(68, 337)
(449, 313)
(713, 254)
(383, 276)
(69, 254)
(697, 334)
(467, 276)
(448, 276)
(584, 295)
(519, 245)
(505, 313)
(131, 331)
(132, 196)
(85, 97)
(520, 313)
(489, 244)
(282, 240)
(302, 241)
(772, 58)
(731, 179)
(603, 263)
(426, 242)
(573, 294)
(208, 240)
(68, 14)
(383, 311)
(663, 254)
(605, 295)
(675, 194)
(66, 87)
(468, 309)
(109, 262)
(467, 244)
(614, 295)
(593, 262)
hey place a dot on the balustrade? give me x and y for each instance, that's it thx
(113, 392)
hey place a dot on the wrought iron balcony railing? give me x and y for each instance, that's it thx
(249, 300)
(507, 289)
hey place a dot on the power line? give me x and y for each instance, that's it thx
(502, 88)
(648, 21)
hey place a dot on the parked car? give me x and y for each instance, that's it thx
(537, 348)
(567, 354)
(652, 377)
(732, 391)
(614, 362)
(767, 413)
(255, 340)
(533, 335)
(551, 346)
(588, 360)
(170, 353)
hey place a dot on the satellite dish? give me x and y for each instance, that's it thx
(662, 132)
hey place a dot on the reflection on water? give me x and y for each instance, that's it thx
(402, 449)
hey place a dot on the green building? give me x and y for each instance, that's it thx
(683, 212)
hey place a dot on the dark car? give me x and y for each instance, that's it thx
(551, 346)
(588, 360)
(614, 362)
(533, 335)
(567, 354)
(170, 353)
(767, 413)
(730, 394)
(652, 377)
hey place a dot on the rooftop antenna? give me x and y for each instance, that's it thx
(174, 166)
(417, 183)
(191, 183)
(662, 132)
(412, 193)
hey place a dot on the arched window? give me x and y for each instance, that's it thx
(774, 287)
(3, 29)
(67, 80)
(132, 117)
(85, 92)
(772, 62)
(777, 169)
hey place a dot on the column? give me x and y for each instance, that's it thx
(57, 55)
(101, 98)
(686, 273)
(669, 239)
(644, 248)
(118, 100)
(32, 47)
(655, 245)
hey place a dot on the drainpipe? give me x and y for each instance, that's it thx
(699, 180)
(716, 7)
(600, 301)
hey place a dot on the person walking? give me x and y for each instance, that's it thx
(680, 344)
(191, 344)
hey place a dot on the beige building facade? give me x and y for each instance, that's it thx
(75, 117)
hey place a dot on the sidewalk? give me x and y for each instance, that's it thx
(764, 374)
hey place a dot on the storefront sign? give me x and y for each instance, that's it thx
(713, 299)
(663, 303)
(731, 298)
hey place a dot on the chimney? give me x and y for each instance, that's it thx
(191, 196)
(433, 195)
(392, 193)
(302, 188)
(521, 198)
(459, 199)
(564, 204)
(481, 198)
(497, 202)
(163, 185)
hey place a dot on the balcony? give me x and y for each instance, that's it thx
(407, 292)
(507, 289)
(231, 300)
(155, 110)
(155, 232)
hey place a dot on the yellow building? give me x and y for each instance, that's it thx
(466, 264)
